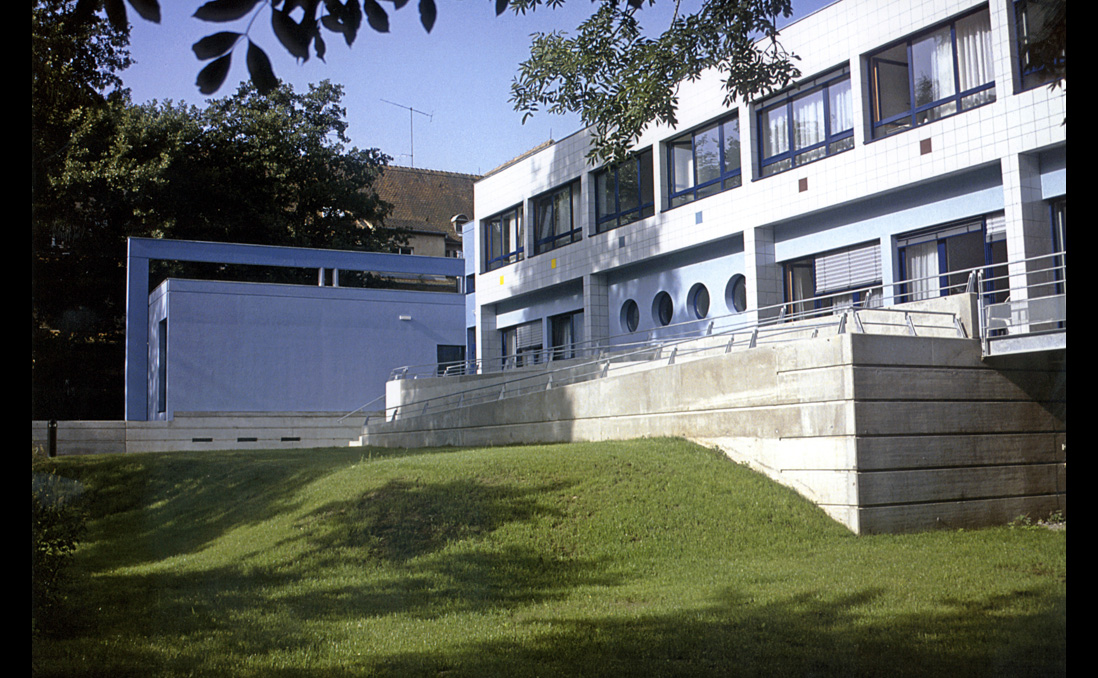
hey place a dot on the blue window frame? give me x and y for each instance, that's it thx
(935, 74)
(555, 223)
(623, 193)
(835, 279)
(704, 162)
(522, 344)
(1036, 21)
(937, 262)
(566, 335)
(811, 122)
(503, 238)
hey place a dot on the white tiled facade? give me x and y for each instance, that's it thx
(1003, 161)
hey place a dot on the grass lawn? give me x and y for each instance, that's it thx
(637, 558)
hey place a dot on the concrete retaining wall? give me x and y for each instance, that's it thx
(885, 433)
(202, 431)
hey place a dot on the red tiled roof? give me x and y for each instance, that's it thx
(426, 200)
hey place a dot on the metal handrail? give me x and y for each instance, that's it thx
(1045, 296)
(361, 407)
(771, 330)
(682, 340)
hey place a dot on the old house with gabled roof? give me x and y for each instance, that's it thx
(431, 205)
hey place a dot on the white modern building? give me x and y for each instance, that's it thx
(916, 145)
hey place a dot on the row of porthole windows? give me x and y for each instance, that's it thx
(663, 307)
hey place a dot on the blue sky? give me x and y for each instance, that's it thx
(458, 77)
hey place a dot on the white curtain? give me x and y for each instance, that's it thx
(808, 120)
(776, 139)
(842, 107)
(922, 270)
(974, 56)
(933, 67)
(546, 226)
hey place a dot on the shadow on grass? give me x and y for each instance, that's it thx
(801, 635)
(411, 548)
(406, 519)
(170, 504)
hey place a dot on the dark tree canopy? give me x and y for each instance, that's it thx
(611, 72)
(269, 169)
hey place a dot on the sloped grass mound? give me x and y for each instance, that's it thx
(651, 557)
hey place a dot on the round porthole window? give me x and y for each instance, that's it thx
(663, 309)
(735, 294)
(630, 316)
(699, 301)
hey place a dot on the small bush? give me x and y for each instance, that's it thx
(57, 524)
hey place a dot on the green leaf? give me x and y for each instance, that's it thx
(148, 9)
(501, 6)
(215, 45)
(213, 75)
(259, 67)
(224, 10)
(427, 14)
(376, 16)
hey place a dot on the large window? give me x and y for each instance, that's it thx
(937, 262)
(704, 162)
(522, 344)
(566, 334)
(1039, 58)
(503, 239)
(933, 75)
(811, 122)
(835, 279)
(623, 193)
(555, 218)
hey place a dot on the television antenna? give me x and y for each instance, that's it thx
(411, 128)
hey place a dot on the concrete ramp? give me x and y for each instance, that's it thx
(886, 433)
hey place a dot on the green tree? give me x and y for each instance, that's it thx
(612, 73)
(75, 66)
(270, 169)
(75, 62)
(620, 80)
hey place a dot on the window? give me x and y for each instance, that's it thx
(450, 358)
(623, 193)
(162, 366)
(522, 344)
(565, 335)
(699, 300)
(937, 262)
(735, 293)
(1059, 239)
(555, 218)
(933, 75)
(811, 122)
(663, 309)
(1036, 20)
(704, 162)
(630, 316)
(836, 279)
(503, 239)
